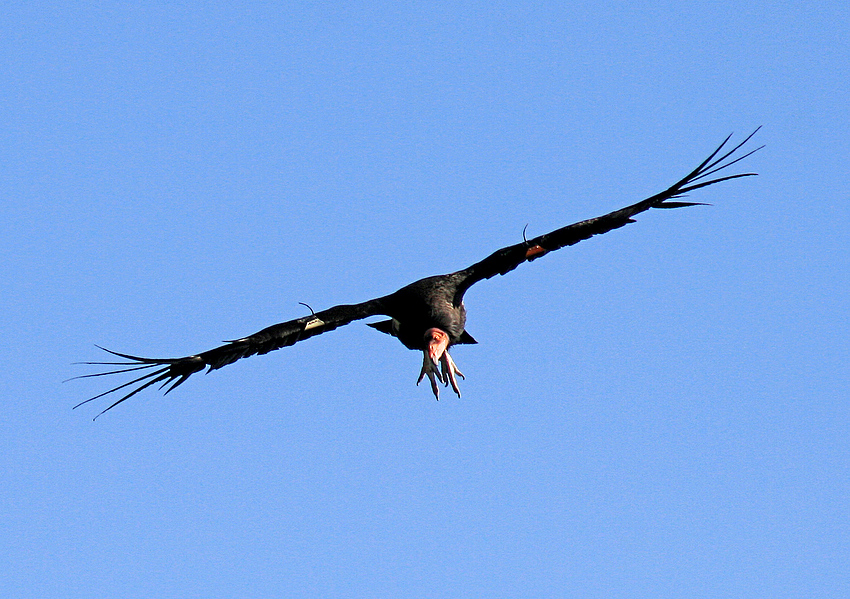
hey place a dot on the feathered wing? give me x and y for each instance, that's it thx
(172, 372)
(506, 259)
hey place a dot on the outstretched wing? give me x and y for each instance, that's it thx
(506, 259)
(172, 372)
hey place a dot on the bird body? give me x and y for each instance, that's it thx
(427, 315)
(424, 304)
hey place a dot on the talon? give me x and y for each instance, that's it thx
(434, 386)
(454, 367)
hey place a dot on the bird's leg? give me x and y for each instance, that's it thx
(429, 367)
(436, 344)
(449, 370)
(437, 364)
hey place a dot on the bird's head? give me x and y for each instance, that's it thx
(436, 342)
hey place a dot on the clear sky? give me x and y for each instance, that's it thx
(658, 412)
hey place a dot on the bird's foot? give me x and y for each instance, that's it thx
(437, 364)
(432, 371)
(449, 369)
(443, 370)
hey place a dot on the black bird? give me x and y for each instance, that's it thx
(427, 315)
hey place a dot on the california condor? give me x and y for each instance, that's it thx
(427, 315)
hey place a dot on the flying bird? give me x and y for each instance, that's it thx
(427, 315)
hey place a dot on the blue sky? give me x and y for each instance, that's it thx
(658, 412)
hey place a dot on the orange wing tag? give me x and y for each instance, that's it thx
(535, 251)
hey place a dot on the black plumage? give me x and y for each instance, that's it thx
(428, 315)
